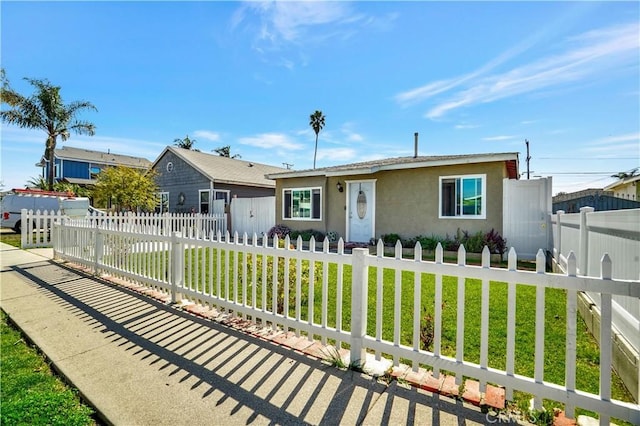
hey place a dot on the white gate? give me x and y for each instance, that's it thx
(525, 213)
(253, 215)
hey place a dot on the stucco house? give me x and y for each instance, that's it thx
(82, 166)
(191, 181)
(408, 196)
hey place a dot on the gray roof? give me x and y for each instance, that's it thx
(398, 163)
(224, 169)
(98, 157)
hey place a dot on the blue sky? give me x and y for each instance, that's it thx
(470, 77)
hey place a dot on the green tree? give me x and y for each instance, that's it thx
(37, 183)
(45, 110)
(186, 143)
(316, 121)
(225, 151)
(126, 189)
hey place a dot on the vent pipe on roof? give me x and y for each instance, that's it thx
(415, 145)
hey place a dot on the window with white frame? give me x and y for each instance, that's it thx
(463, 196)
(162, 202)
(301, 204)
(204, 201)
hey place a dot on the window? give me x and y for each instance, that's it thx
(301, 204)
(463, 196)
(93, 172)
(162, 203)
(204, 201)
(221, 194)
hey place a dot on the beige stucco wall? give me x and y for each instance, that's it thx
(406, 201)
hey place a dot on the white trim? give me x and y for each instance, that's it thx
(373, 167)
(483, 207)
(304, 219)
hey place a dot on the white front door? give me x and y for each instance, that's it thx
(360, 210)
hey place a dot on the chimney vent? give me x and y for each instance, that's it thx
(415, 145)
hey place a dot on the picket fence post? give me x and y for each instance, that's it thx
(99, 249)
(358, 304)
(583, 266)
(23, 228)
(177, 266)
(558, 241)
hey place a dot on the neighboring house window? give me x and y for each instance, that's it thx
(463, 196)
(204, 201)
(222, 194)
(162, 205)
(301, 204)
(93, 172)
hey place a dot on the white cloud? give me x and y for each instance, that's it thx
(499, 138)
(208, 135)
(337, 154)
(616, 140)
(466, 126)
(594, 53)
(290, 21)
(271, 141)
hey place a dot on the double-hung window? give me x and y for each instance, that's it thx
(463, 196)
(302, 204)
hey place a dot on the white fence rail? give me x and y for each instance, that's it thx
(590, 235)
(36, 228)
(373, 303)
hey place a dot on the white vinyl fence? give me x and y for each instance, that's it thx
(253, 215)
(356, 300)
(590, 235)
(36, 228)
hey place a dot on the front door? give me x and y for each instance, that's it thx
(360, 211)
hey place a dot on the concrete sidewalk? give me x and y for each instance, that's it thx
(141, 362)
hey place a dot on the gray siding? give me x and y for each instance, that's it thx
(187, 180)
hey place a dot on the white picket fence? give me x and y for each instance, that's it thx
(309, 291)
(36, 228)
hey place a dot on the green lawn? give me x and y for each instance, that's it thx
(202, 264)
(200, 261)
(10, 238)
(30, 393)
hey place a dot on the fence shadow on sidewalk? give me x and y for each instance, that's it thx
(211, 360)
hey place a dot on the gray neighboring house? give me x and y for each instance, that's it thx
(191, 181)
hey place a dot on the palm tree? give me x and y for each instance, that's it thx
(186, 143)
(225, 151)
(45, 110)
(316, 121)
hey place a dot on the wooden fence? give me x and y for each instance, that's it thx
(350, 299)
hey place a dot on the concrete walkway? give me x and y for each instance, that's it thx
(138, 361)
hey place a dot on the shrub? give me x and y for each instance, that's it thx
(280, 230)
(390, 239)
(426, 331)
(495, 242)
(307, 234)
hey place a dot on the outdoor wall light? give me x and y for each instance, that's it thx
(339, 187)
